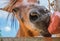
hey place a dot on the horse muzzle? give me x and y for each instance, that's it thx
(36, 16)
(40, 19)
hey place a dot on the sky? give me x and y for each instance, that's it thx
(5, 26)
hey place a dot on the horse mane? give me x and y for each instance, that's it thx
(8, 8)
(14, 3)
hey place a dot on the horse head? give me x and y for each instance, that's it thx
(33, 19)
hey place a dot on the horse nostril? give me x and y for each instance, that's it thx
(33, 16)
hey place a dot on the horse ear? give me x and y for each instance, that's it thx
(5, 9)
(8, 8)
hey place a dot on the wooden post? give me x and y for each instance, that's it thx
(57, 5)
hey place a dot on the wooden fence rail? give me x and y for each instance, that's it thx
(29, 39)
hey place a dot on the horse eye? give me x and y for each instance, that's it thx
(43, 11)
(46, 10)
(15, 9)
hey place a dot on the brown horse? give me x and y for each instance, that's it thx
(34, 20)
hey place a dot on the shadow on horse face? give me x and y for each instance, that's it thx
(36, 17)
